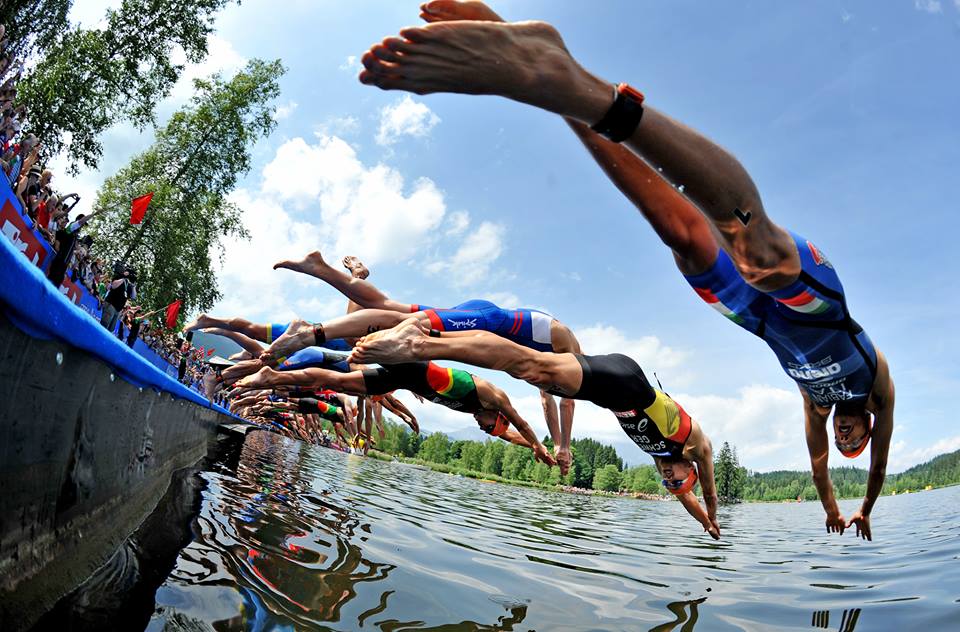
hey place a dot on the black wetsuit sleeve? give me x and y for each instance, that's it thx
(408, 375)
(309, 406)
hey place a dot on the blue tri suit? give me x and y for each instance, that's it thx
(526, 327)
(807, 324)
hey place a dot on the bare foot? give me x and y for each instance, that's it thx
(356, 267)
(313, 264)
(524, 61)
(448, 10)
(201, 322)
(299, 335)
(564, 459)
(390, 346)
(264, 378)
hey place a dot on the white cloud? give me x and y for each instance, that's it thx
(338, 126)
(471, 262)
(250, 286)
(285, 110)
(930, 6)
(321, 196)
(901, 458)
(764, 422)
(457, 223)
(366, 211)
(648, 351)
(350, 63)
(405, 117)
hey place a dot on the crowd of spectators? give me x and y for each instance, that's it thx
(48, 211)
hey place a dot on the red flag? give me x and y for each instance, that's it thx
(210, 352)
(138, 208)
(173, 310)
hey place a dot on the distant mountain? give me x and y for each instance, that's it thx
(470, 433)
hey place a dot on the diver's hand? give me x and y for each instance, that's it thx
(835, 523)
(862, 523)
(541, 454)
(714, 529)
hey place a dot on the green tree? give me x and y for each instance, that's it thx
(91, 79)
(607, 478)
(471, 455)
(33, 26)
(731, 478)
(515, 461)
(191, 167)
(435, 448)
(492, 462)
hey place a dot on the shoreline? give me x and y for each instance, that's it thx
(566, 489)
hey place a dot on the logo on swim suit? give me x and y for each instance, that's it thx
(810, 373)
(469, 323)
(625, 414)
(818, 257)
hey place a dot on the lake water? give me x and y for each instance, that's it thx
(300, 537)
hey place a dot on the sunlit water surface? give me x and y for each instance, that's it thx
(300, 537)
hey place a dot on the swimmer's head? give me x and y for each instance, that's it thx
(679, 475)
(492, 422)
(851, 428)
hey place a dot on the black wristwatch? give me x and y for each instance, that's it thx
(623, 117)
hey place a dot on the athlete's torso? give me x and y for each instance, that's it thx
(807, 324)
(650, 417)
(448, 387)
(526, 327)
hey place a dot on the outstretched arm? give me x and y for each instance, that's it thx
(818, 444)
(493, 398)
(702, 455)
(693, 507)
(879, 448)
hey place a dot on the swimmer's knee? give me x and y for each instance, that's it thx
(567, 405)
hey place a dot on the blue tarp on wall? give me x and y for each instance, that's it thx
(36, 307)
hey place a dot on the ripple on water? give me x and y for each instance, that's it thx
(302, 537)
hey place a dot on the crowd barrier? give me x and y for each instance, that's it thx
(69, 313)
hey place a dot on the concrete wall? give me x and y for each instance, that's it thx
(84, 459)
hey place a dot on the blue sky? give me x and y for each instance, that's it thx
(844, 113)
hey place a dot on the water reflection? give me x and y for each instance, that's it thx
(298, 537)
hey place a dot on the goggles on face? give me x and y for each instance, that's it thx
(677, 487)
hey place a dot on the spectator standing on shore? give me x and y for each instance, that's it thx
(66, 239)
(117, 293)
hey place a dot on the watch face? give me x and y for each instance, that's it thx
(630, 92)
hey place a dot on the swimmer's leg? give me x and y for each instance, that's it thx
(247, 343)
(257, 331)
(314, 377)
(358, 290)
(301, 334)
(408, 342)
(528, 62)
